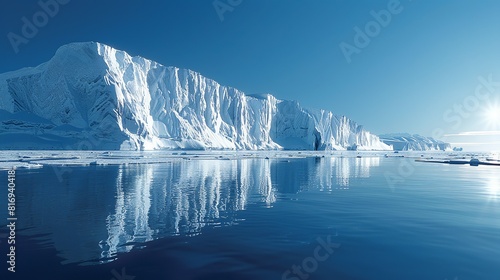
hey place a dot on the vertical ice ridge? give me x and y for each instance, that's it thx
(141, 104)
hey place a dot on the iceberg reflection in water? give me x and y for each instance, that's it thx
(94, 213)
(254, 218)
(343, 169)
(181, 198)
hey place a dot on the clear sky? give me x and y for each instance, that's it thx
(417, 73)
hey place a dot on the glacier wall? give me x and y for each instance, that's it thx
(90, 95)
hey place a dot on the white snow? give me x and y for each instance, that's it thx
(92, 96)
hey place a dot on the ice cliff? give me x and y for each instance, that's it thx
(92, 96)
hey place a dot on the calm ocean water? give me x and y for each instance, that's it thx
(308, 218)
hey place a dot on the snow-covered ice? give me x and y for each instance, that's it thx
(92, 96)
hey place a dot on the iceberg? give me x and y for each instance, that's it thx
(92, 96)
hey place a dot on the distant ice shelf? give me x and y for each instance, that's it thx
(415, 142)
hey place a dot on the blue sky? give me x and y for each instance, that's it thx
(410, 77)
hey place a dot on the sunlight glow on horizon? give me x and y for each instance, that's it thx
(492, 116)
(475, 140)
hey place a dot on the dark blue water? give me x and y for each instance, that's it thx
(311, 218)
